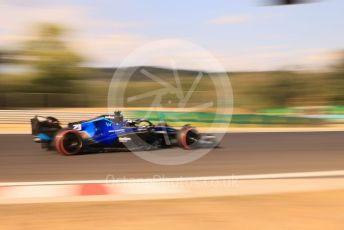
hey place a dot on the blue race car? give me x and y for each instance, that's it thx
(112, 132)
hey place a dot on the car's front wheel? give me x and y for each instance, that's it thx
(188, 137)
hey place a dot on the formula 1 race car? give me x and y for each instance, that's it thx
(112, 132)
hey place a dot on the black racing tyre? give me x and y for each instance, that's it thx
(188, 137)
(68, 142)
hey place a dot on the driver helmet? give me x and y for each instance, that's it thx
(118, 117)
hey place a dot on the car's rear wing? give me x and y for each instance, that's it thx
(46, 125)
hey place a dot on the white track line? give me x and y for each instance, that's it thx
(112, 180)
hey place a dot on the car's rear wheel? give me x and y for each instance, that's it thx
(188, 137)
(68, 142)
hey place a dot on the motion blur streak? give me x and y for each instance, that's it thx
(307, 210)
(239, 154)
(289, 2)
(285, 63)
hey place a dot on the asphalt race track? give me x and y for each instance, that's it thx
(241, 153)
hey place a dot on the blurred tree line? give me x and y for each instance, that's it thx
(43, 71)
(54, 63)
(281, 89)
(51, 75)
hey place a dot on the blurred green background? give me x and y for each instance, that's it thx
(46, 72)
